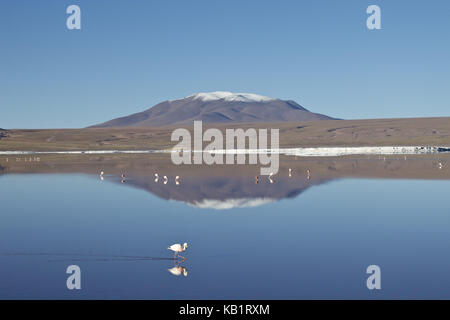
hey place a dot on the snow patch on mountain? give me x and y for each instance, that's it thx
(231, 203)
(230, 96)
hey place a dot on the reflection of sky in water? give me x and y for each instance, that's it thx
(316, 245)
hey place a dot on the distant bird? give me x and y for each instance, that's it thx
(165, 179)
(308, 174)
(101, 175)
(256, 180)
(290, 172)
(176, 180)
(123, 176)
(440, 165)
(270, 177)
(156, 177)
(177, 248)
(178, 270)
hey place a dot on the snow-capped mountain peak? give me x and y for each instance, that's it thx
(217, 107)
(230, 96)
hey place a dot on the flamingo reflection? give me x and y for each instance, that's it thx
(177, 270)
(270, 177)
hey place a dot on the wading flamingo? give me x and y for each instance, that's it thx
(177, 248)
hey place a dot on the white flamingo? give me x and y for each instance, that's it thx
(176, 180)
(177, 248)
(165, 179)
(156, 177)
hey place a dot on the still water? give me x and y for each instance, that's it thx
(291, 239)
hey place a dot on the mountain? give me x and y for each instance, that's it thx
(217, 107)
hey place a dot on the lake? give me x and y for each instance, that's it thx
(292, 237)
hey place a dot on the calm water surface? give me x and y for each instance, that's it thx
(312, 243)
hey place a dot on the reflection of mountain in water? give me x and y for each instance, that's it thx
(231, 186)
(223, 192)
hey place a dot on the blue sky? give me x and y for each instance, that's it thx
(130, 55)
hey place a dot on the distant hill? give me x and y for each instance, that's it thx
(217, 107)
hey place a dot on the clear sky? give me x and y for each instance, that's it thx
(130, 55)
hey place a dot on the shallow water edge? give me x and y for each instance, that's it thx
(305, 152)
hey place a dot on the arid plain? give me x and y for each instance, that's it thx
(376, 132)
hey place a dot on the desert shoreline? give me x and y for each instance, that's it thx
(304, 152)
